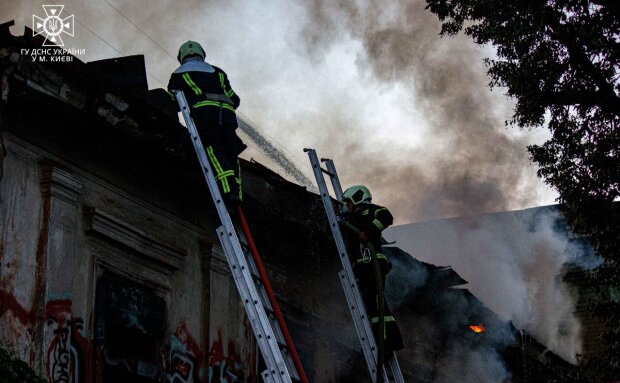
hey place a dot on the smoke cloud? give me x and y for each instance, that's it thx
(470, 360)
(468, 163)
(369, 84)
(440, 345)
(514, 263)
(467, 365)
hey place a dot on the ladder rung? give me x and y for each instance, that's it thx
(269, 311)
(290, 365)
(257, 278)
(264, 298)
(276, 330)
(328, 172)
(254, 271)
(283, 346)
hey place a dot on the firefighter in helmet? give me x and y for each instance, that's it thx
(213, 104)
(362, 223)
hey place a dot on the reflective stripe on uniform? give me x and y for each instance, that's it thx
(226, 173)
(378, 255)
(229, 92)
(213, 103)
(191, 84)
(238, 179)
(222, 81)
(378, 224)
(387, 318)
(378, 210)
(221, 175)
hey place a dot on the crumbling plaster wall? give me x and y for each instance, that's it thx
(111, 189)
(62, 227)
(20, 220)
(82, 194)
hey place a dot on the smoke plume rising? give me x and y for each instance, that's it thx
(441, 347)
(366, 83)
(514, 263)
(470, 361)
(468, 163)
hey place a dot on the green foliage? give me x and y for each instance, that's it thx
(560, 61)
(13, 370)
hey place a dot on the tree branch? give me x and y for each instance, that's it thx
(564, 34)
(612, 5)
(599, 99)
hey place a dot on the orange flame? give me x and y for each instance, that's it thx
(477, 328)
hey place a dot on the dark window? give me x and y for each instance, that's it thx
(130, 322)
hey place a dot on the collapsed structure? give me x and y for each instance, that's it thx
(110, 268)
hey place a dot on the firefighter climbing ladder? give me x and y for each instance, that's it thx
(391, 371)
(269, 328)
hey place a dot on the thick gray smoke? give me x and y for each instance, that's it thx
(465, 163)
(469, 163)
(404, 279)
(514, 263)
(470, 362)
(436, 320)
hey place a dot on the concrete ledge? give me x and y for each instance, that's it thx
(59, 183)
(113, 228)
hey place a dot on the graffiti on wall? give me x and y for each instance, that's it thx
(185, 358)
(67, 345)
(224, 368)
(182, 366)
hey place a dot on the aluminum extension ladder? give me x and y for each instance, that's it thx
(391, 369)
(276, 347)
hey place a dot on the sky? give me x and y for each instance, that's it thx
(368, 83)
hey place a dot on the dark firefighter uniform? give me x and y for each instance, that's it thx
(372, 219)
(213, 104)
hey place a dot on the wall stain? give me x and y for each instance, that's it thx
(37, 313)
(8, 303)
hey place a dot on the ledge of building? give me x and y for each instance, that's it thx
(153, 250)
